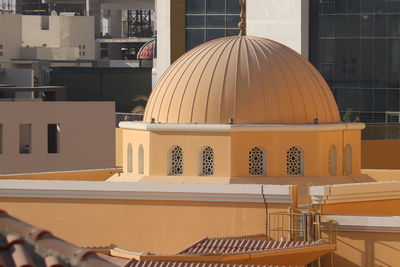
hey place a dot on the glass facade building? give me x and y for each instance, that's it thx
(355, 44)
(210, 19)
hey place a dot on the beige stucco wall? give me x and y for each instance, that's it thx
(87, 137)
(10, 36)
(365, 249)
(231, 150)
(155, 226)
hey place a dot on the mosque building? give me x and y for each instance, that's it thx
(241, 158)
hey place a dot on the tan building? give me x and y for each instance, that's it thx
(56, 136)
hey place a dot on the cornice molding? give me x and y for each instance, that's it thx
(354, 223)
(171, 127)
(145, 191)
(331, 194)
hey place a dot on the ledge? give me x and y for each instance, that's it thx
(171, 127)
(331, 194)
(353, 223)
(145, 191)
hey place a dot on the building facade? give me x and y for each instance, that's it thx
(46, 136)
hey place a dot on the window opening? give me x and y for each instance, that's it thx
(176, 164)
(295, 161)
(256, 161)
(53, 138)
(25, 131)
(208, 161)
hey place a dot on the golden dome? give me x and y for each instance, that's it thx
(248, 79)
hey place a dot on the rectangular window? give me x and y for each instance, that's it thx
(45, 23)
(25, 132)
(53, 138)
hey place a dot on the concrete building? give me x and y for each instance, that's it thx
(48, 38)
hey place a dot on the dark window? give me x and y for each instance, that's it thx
(25, 132)
(355, 44)
(53, 138)
(210, 19)
(195, 7)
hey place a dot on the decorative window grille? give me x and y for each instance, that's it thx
(295, 161)
(256, 161)
(176, 163)
(348, 160)
(332, 166)
(208, 161)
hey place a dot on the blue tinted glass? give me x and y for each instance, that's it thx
(232, 21)
(232, 7)
(195, 21)
(215, 6)
(213, 34)
(194, 38)
(195, 6)
(215, 21)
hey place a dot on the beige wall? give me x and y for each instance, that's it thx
(34, 35)
(59, 42)
(87, 137)
(231, 150)
(155, 226)
(10, 36)
(365, 249)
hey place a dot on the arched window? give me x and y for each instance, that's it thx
(295, 161)
(176, 161)
(332, 165)
(257, 161)
(140, 160)
(129, 158)
(348, 160)
(207, 157)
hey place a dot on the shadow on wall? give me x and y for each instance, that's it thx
(365, 249)
(380, 154)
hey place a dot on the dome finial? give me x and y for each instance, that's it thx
(242, 23)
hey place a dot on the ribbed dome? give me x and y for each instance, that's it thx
(248, 79)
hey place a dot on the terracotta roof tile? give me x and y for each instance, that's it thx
(135, 263)
(23, 245)
(243, 245)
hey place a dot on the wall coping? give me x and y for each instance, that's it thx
(356, 223)
(342, 193)
(253, 193)
(240, 127)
